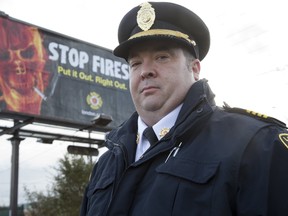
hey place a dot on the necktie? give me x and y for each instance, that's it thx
(150, 135)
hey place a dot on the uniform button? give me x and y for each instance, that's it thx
(199, 110)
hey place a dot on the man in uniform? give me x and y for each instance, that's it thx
(179, 153)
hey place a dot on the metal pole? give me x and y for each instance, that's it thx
(15, 141)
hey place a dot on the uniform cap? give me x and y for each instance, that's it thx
(163, 21)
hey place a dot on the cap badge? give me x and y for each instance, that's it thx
(164, 131)
(145, 16)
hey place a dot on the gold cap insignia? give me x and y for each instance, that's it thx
(164, 131)
(145, 16)
(284, 139)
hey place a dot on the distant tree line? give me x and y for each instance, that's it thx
(64, 196)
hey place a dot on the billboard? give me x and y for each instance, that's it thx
(51, 76)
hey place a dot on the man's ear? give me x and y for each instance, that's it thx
(196, 67)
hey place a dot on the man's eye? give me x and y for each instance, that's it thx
(134, 64)
(162, 57)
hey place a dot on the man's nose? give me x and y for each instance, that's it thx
(147, 70)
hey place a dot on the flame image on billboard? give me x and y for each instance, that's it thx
(22, 60)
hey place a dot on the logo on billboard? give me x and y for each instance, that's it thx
(94, 100)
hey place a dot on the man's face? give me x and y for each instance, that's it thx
(160, 76)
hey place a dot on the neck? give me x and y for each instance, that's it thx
(154, 117)
(151, 118)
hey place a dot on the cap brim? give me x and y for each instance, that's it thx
(122, 50)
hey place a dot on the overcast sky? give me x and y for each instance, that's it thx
(247, 65)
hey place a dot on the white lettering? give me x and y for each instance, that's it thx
(109, 67)
(125, 70)
(52, 48)
(73, 56)
(77, 58)
(117, 69)
(64, 49)
(84, 58)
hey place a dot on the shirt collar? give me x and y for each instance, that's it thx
(165, 123)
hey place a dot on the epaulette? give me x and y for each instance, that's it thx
(257, 115)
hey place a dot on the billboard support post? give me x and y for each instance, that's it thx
(15, 141)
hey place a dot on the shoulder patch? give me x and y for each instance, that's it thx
(255, 115)
(284, 139)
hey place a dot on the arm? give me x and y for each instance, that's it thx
(263, 175)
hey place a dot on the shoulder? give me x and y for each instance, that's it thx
(253, 115)
(272, 129)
